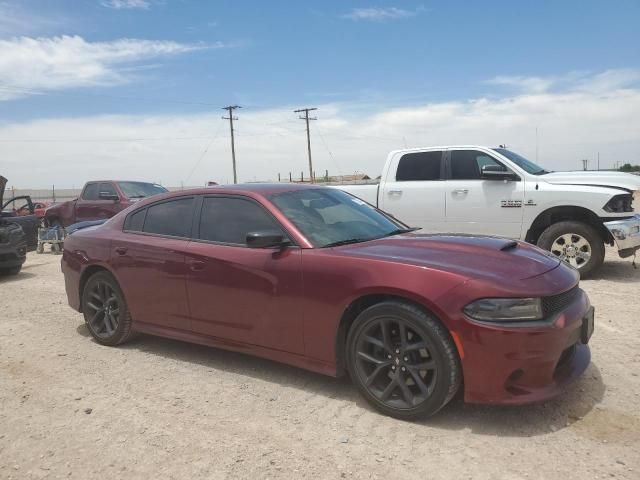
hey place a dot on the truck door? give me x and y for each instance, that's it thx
(91, 207)
(413, 190)
(478, 205)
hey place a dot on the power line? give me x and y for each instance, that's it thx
(306, 118)
(335, 162)
(231, 118)
(95, 140)
(9, 88)
(215, 136)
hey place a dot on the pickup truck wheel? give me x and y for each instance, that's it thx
(105, 310)
(402, 360)
(576, 243)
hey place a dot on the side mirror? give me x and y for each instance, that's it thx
(497, 172)
(108, 196)
(266, 239)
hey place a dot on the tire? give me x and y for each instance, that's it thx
(582, 237)
(105, 310)
(10, 271)
(381, 364)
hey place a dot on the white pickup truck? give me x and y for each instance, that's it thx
(494, 191)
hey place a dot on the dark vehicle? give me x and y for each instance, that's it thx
(21, 210)
(17, 232)
(100, 200)
(316, 278)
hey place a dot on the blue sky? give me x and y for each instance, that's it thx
(359, 60)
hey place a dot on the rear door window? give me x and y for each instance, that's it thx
(91, 192)
(172, 218)
(419, 166)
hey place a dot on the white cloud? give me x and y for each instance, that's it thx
(127, 4)
(572, 124)
(579, 81)
(70, 61)
(380, 14)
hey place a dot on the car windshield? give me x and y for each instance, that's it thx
(140, 189)
(330, 217)
(523, 163)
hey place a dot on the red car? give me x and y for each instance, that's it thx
(316, 278)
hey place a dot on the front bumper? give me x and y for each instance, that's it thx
(626, 234)
(13, 256)
(512, 366)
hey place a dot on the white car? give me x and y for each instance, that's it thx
(494, 191)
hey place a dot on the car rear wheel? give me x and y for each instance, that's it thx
(105, 310)
(575, 243)
(403, 360)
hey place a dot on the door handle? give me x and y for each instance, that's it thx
(461, 190)
(121, 250)
(196, 265)
(395, 192)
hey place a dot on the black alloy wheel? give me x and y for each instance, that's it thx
(403, 360)
(105, 310)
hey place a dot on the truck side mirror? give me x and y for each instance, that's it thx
(108, 196)
(497, 172)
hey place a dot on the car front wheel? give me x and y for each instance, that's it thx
(403, 360)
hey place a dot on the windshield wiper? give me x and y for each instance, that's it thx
(345, 242)
(400, 231)
(137, 196)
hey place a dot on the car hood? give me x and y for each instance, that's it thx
(468, 255)
(623, 180)
(3, 183)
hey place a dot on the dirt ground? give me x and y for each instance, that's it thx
(155, 408)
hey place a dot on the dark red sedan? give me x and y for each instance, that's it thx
(316, 278)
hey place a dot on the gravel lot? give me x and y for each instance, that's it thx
(155, 408)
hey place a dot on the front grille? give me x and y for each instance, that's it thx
(556, 303)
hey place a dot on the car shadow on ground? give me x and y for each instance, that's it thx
(16, 278)
(523, 421)
(620, 271)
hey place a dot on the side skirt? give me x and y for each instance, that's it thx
(289, 358)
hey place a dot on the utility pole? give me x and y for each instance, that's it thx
(585, 164)
(231, 118)
(306, 118)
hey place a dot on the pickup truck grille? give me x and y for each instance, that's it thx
(557, 303)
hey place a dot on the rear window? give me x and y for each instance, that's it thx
(419, 166)
(135, 221)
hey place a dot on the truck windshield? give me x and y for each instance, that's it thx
(330, 217)
(140, 189)
(523, 163)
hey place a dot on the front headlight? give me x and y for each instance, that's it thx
(505, 309)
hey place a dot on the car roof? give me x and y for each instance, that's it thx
(263, 189)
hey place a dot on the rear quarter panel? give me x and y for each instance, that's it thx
(83, 250)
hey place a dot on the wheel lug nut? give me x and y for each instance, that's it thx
(397, 351)
(404, 369)
(393, 367)
(406, 359)
(389, 357)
